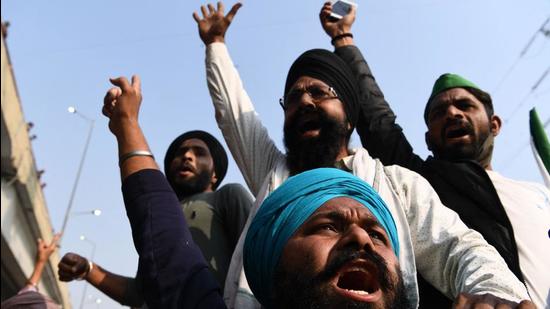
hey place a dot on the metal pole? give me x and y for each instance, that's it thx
(85, 281)
(75, 185)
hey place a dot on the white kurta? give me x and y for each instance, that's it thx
(432, 238)
(527, 205)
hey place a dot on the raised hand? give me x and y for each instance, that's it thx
(213, 24)
(334, 27)
(121, 103)
(44, 250)
(72, 266)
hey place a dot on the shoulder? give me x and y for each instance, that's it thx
(533, 186)
(409, 183)
(402, 174)
(233, 191)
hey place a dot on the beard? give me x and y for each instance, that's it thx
(478, 149)
(303, 289)
(194, 185)
(304, 154)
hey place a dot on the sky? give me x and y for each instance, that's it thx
(63, 53)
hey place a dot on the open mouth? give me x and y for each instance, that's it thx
(458, 132)
(310, 125)
(359, 281)
(186, 168)
(309, 122)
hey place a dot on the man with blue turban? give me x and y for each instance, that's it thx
(316, 241)
(324, 239)
(320, 108)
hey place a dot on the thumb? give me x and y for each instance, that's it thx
(233, 11)
(121, 82)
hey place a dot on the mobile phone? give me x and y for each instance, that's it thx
(341, 8)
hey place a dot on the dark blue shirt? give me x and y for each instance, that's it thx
(174, 272)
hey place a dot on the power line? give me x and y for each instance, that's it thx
(533, 88)
(542, 29)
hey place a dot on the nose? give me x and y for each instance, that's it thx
(306, 101)
(189, 155)
(359, 238)
(453, 112)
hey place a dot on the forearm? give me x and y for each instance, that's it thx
(129, 139)
(34, 279)
(248, 140)
(117, 287)
(376, 126)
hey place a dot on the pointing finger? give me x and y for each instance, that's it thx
(136, 83)
(221, 7)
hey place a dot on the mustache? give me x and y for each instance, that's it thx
(458, 122)
(348, 254)
(292, 122)
(187, 166)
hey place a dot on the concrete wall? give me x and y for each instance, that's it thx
(24, 214)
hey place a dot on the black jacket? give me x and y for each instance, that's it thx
(463, 186)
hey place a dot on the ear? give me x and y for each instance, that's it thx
(496, 124)
(427, 139)
(213, 179)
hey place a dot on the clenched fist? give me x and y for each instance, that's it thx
(73, 266)
(121, 103)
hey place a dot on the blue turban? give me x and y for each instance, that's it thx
(288, 207)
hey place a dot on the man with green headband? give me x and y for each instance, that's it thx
(320, 107)
(511, 215)
(326, 239)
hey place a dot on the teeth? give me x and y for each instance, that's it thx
(360, 292)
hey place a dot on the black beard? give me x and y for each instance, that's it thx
(197, 184)
(301, 290)
(304, 154)
(479, 150)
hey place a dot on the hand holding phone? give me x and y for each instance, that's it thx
(341, 8)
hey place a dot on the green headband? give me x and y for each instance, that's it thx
(445, 82)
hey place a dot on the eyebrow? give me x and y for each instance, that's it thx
(339, 216)
(315, 83)
(193, 147)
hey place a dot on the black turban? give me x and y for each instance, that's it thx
(216, 150)
(332, 70)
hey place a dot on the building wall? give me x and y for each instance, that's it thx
(24, 214)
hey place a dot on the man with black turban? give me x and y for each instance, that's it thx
(195, 165)
(319, 105)
(461, 131)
